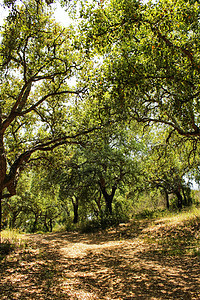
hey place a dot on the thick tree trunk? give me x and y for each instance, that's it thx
(2, 175)
(108, 197)
(187, 196)
(167, 199)
(108, 200)
(180, 200)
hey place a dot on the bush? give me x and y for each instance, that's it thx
(103, 222)
(5, 248)
(151, 214)
(90, 225)
(68, 225)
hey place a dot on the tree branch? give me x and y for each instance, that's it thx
(33, 107)
(10, 180)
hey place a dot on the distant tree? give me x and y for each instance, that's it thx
(36, 206)
(106, 164)
(166, 167)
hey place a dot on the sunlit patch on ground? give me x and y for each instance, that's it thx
(134, 261)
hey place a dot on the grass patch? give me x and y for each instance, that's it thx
(10, 241)
(151, 214)
(188, 216)
(177, 234)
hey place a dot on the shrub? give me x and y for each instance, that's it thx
(11, 240)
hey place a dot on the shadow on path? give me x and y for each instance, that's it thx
(117, 264)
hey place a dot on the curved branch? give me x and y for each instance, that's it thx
(34, 106)
(11, 179)
(186, 52)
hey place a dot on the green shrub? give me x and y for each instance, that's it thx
(151, 214)
(5, 248)
(103, 222)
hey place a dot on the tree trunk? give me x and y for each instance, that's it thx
(35, 222)
(108, 200)
(0, 214)
(51, 224)
(187, 196)
(75, 206)
(98, 203)
(45, 222)
(2, 163)
(167, 199)
(185, 200)
(180, 200)
(2, 173)
(108, 197)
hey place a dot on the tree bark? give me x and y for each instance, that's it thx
(75, 206)
(45, 222)
(185, 200)
(98, 203)
(187, 196)
(108, 197)
(167, 199)
(35, 222)
(2, 163)
(51, 225)
(0, 214)
(13, 219)
(180, 200)
(108, 200)
(2, 176)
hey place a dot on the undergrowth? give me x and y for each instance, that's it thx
(176, 233)
(10, 241)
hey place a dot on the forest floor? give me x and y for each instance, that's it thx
(143, 259)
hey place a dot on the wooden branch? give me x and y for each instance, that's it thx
(23, 95)
(195, 133)
(48, 146)
(34, 106)
(171, 45)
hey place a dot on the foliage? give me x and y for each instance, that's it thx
(105, 114)
(150, 68)
(38, 58)
(170, 171)
(36, 207)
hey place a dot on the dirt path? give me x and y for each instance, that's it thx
(117, 264)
